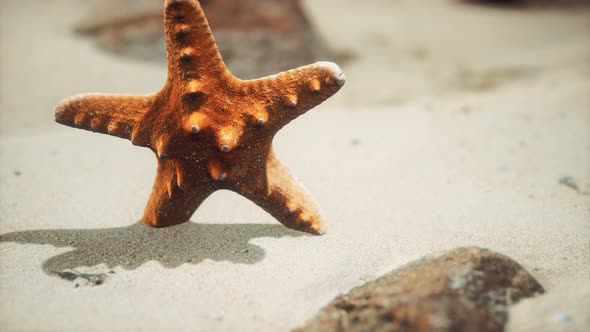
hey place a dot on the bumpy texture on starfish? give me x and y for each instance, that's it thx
(209, 129)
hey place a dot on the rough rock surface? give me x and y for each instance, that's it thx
(465, 289)
(255, 37)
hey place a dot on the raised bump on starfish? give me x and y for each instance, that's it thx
(210, 130)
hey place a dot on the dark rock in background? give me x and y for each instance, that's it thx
(466, 289)
(255, 37)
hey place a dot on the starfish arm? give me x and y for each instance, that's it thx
(171, 202)
(104, 113)
(285, 198)
(192, 51)
(292, 93)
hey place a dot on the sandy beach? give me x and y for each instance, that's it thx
(459, 125)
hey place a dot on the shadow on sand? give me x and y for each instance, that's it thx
(132, 246)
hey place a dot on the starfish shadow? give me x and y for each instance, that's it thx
(130, 247)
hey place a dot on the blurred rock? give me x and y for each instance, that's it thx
(466, 289)
(255, 37)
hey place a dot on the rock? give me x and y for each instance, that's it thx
(465, 289)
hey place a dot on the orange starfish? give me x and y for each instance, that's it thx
(209, 129)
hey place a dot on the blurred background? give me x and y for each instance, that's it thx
(392, 51)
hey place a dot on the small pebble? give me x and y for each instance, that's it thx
(568, 181)
(561, 318)
(17, 173)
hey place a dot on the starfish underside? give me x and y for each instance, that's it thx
(209, 129)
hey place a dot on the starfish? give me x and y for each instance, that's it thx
(209, 129)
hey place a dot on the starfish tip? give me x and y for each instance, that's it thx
(341, 79)
(336, 72)
(318, 229)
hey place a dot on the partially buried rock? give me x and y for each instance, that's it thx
(465, 289)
